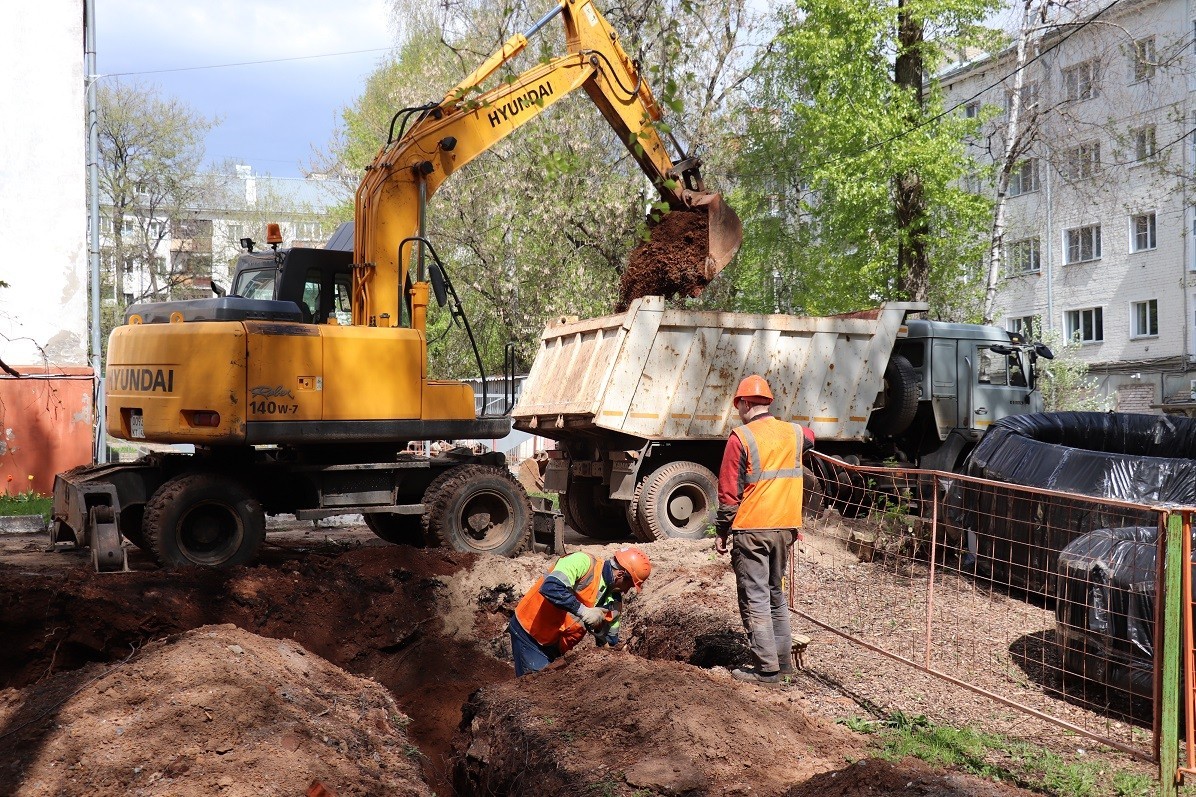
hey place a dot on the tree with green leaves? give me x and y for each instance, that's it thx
(150, 149)
(850, 169)
(540, 225)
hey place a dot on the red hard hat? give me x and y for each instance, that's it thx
(636, 563)
(755, 389)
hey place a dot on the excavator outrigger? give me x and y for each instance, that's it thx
(301, 389)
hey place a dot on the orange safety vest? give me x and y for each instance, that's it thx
(772, 490)
(552, 625)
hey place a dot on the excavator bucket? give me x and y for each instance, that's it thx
(726, 231)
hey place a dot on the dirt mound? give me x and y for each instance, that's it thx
(214, 711)
(380, 612)
(613, 723)
(671, 262)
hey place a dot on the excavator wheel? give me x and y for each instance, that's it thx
(679, 500)
(397, 529)
(203, 519)
(478, 509)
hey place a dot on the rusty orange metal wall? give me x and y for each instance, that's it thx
(45, 425)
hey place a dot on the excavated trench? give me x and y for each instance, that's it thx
(376, 611)
(209, 677)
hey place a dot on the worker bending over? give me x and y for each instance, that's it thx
(759, 506)
(580, 593)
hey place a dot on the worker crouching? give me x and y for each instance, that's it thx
(581, 593)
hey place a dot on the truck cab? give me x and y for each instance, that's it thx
(968, 377)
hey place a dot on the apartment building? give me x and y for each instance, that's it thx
(1100, 241)
(178, 253)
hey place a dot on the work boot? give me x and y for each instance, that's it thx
(753, 676)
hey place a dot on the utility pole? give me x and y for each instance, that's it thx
(100, 445)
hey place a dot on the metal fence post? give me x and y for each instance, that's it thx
(1172, 650)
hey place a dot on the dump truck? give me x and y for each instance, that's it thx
(302, 388)
(639, 403)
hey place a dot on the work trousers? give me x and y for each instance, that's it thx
(528, 654)
(760, 559)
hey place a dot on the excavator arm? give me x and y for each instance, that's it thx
(443, 136)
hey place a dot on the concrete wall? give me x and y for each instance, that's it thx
(45, 417)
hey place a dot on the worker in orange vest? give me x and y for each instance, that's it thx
(581, 593)
(759, 514)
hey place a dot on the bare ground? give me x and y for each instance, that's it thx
(425, 629)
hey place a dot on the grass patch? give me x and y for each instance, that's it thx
(554, 498)
(998, 758)
(26, 503)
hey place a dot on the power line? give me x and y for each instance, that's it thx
(247, 63)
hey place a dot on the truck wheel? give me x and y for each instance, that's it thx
(635, 519)
(901, 399)
(397, 529)
(479, 509)
(812, 498)
(203, 519)
(594, 515)
(679, 500)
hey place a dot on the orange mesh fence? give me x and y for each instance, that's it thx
(1040, 604)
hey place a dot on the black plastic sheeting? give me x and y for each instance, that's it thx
(1016, 536)
(1133, 457)
(1104, 608)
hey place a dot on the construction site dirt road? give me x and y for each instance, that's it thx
(343, 664)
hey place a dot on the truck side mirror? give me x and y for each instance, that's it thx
(218, 289)
(437, 277)
(1044, 351)
(999, 349)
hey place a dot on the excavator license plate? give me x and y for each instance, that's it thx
(136, 425)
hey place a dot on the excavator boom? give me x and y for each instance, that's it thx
(443, 136)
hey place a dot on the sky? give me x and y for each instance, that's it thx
(274, 115)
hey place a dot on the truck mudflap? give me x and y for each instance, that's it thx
(89, 504)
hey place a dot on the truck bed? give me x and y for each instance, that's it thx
(663, 374)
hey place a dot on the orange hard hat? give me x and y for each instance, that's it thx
(636, 563)
(755, 389)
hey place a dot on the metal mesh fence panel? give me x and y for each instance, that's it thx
(1039, 602)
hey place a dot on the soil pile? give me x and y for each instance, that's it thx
(215, 711)
(383, 612)
(613, 723)
(671, 262)
(872, 778)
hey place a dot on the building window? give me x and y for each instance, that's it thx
(1028, 94)
(971, 110)
(1145, 318)
(1025, 325)
(1144, 59)
(1082, 162)
(105, 225)
(1142, 232)
(1079, 81)
(1025, 256)
(1024, 177)
(1083, 244)
(236, 232)
(1084, 326)
(127, 226)
(307, 230)
(153, 230)
(128, 299)
(1144, 143)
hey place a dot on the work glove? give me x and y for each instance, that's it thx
(592, 617)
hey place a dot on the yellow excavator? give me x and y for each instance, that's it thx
(301, 389)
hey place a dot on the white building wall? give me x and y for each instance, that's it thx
(1123, 188)
(43, 249)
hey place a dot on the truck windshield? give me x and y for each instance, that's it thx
(256, 284)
